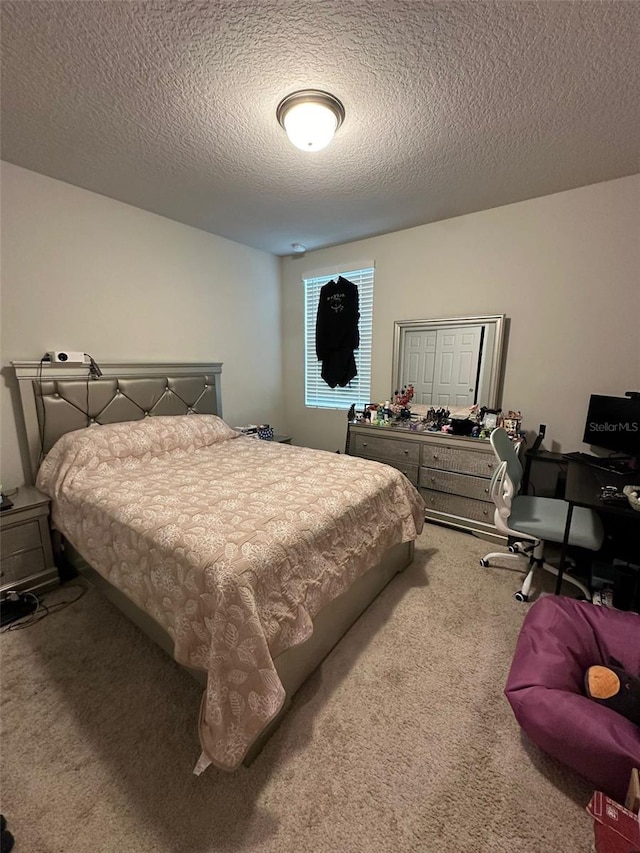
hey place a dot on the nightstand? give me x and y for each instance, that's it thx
(26, 556)
(282, 439)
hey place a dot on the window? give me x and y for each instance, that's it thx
(317, 393)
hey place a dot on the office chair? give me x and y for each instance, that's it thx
(533, 521)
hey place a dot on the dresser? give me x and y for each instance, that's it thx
(26, 557)
(452, 473)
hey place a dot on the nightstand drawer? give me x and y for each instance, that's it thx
(22, 565)
(20, 537)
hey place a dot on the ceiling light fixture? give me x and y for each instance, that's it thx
(310, 118)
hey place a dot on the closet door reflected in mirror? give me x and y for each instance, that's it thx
(450, 362)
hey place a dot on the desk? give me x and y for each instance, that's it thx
(583, 488)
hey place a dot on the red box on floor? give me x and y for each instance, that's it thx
(616, 829)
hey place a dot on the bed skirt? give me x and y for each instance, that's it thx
(294, 665)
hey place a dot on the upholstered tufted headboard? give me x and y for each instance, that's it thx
(57, 398)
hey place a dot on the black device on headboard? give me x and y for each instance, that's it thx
(614, 423)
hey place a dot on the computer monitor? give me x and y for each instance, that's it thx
(613, 423)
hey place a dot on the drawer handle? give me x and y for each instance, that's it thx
(432, 500)
(485, 512)
(435, 456)
(406, 453)
(364, 444)
(486, 491)
(433, 479)
(489, 464)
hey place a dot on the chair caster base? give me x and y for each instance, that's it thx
(520, 596)
(484, 563)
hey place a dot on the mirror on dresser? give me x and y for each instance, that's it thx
(453, 362)
(450, 362)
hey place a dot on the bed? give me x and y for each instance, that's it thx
(246, 560)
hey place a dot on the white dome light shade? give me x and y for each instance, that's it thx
(310, 118)
(310, 127)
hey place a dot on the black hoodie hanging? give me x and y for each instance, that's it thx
(337, 334)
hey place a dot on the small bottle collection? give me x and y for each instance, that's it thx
(398, 409)
(473, 421)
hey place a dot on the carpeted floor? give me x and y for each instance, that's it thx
(401, 741)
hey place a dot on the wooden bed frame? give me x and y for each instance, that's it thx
(56, 399)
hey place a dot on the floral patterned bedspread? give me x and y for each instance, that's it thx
(230, 543)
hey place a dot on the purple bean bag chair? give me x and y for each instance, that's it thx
(559, 640)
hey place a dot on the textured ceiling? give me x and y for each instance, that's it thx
(451, 107)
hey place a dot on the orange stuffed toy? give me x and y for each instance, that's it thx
(614, 688)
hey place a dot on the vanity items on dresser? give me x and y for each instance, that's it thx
(461, 420)
(451, 472)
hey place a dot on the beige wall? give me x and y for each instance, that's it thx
(84, 272)
(563, 268)
(78, 271)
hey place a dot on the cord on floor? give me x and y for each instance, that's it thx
(43, 610)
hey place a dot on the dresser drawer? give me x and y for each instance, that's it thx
(22, 565)
(458, 459)
(456, 484)
(457, 505)
(19, 537)
(410, 471)
(385, 449)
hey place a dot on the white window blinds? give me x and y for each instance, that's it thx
(317, 392)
